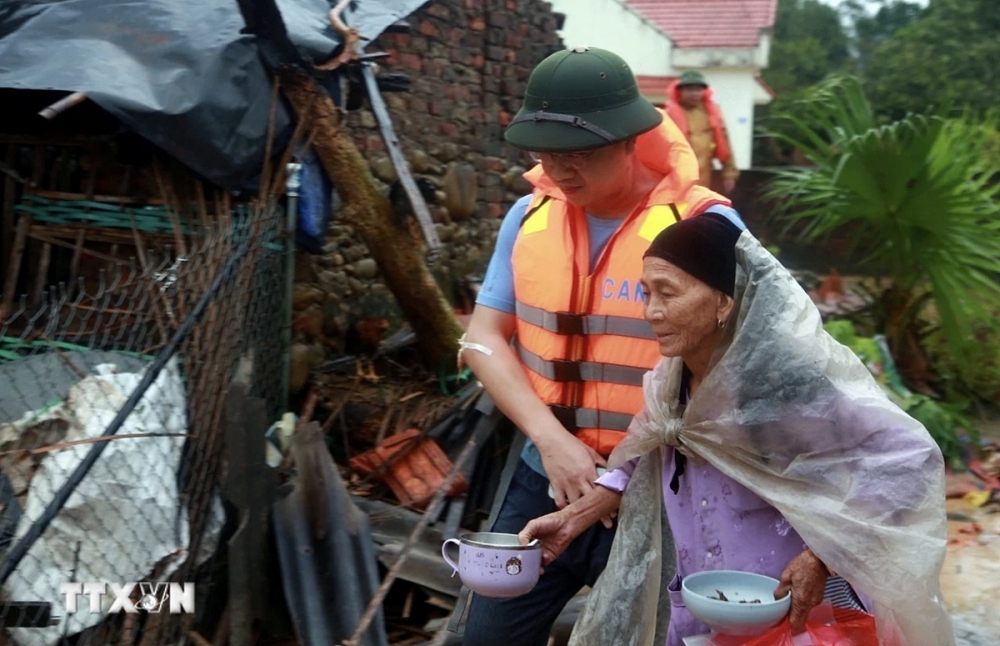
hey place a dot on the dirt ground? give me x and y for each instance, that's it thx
(970, 578)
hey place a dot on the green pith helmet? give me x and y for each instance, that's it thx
(580, 99)
(692, 77)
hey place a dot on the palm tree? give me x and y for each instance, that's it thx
(919, 196)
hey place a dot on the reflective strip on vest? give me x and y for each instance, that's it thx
(583, 324)
(576, 418)
(564, 370)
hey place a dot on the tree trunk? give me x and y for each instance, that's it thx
(907, 352)
(398, 255)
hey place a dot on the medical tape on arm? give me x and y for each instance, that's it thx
(464, 345)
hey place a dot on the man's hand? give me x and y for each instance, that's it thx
(728, 185)
(805, 575)
(555, 531)
(570, 465)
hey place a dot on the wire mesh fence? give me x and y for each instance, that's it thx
(111, 434)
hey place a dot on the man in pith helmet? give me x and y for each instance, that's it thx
(563, 283)
(691, 107)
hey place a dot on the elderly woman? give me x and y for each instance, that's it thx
(771, 449)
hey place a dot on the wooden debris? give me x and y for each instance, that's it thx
(90, 440)
(350, 36)
(432, 510)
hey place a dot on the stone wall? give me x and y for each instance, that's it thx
(469, 61)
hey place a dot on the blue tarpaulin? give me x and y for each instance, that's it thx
(178, 72)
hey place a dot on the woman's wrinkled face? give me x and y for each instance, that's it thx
(683, 311)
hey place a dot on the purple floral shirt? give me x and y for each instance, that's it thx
(718, 524)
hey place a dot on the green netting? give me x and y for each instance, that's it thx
(12, 349)
(148, 219)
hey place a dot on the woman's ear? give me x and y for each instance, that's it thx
(724, 308)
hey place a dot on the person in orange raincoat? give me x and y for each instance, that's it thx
(690, 105)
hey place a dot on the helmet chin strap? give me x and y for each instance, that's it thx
(569, 119)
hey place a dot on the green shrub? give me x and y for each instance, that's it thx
(978, 376)
(944, 420)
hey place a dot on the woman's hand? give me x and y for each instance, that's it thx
(555, 531)
(558, 529)
(805, 575)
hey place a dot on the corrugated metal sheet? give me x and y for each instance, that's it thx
(329, 568)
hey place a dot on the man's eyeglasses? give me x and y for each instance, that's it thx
(572, 160)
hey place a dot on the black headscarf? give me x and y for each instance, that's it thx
(703, 246)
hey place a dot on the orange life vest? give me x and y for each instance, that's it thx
(581, 335)
(715, 120)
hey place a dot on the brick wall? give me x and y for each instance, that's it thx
(469, 61)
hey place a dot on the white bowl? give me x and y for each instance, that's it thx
(700, 593)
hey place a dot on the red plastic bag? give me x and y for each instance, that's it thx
(826, 627)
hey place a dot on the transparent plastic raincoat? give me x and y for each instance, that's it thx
(796, 418)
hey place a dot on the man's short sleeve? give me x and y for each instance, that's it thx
(729, 213)
(497, 291)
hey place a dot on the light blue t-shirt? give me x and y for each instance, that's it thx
(497, 290)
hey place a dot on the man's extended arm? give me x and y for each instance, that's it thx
(568, 462)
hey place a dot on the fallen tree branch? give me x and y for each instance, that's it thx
(59, 353)
(349, 34)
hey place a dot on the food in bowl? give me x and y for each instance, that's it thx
(734, 603)
(722, 597)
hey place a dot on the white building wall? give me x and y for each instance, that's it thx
(735, 90)
(711, 57)
(612, 25)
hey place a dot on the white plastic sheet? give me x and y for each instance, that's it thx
(125, 515)
(795, 417)
(627, 611)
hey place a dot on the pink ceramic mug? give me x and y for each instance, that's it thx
(495, 565)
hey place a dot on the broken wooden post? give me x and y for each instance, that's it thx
(14, 265)
(7, 214)
(250, 486)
